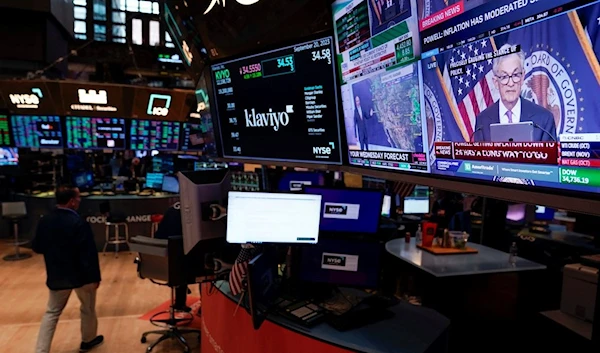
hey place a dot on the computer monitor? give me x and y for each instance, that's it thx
(386, 208)
(197, 192)
(349, 210)
(416, 205)
(543, 213)
(342, 262)
(170, 184)
(9, 157)
(84, 180)
(262, 287)
(295, 181)
(154, 180)
(254, 217)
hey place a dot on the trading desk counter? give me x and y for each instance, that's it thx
(137, 209)
(412, 330)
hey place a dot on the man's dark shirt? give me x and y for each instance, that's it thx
(171, 224)
(70, 254)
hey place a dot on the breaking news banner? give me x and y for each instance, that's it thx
(535, 84)
(444, 22)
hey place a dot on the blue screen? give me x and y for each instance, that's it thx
(84, 180)
(294, 181)
(342, 262)
(170, 184)
(154, 180)
(543, 213)
(349, 210)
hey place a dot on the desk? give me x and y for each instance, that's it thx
(138, 210)
(487, 261)
(412, 330)
(572, 239)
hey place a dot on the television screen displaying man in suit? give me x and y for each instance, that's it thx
(511, 108)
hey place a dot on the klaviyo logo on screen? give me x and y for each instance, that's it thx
(270, 119)
(341, 210)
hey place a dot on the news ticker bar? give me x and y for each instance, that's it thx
(389, 160)
(536, 17)
(550, 174)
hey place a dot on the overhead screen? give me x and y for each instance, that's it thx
(154, 135)
(33, 131)
(95, 133)
(280, 105)
(519, 106)
(376, 42)
(5, 139)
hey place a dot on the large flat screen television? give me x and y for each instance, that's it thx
(280, 105)
(95, 133)
(35, 131)
(520, 106)
(9, 157)
(5, 137)
(381, 92)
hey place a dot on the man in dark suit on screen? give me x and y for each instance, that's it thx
(360, 123)
(511, 108)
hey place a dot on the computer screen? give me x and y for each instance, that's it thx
(170, 184)
(295, 181)
(9, 157)
(154, 180)
(5, 139)
(342, 262)
(512, 99)
(280, 105)
(95, 133)
(84, 180)
(416, 205)
(198, 136)
(377, 46)
(154, 135)
(254, 217)
(33, 131)
(543, 213)
(262, 287)
(387, 206)
(349, 210)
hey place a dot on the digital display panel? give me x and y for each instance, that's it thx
(199, 136)
(281, 104)
(93, 133)
(520, 107)
(9, 157)
(381, 91)
(33, 131)
(5, 140)
(154, 135)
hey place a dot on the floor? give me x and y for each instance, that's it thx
(122, 299)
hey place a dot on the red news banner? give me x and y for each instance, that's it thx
(508, 152)
(441, 16)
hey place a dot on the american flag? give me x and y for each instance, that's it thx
(473, 91)
(237, 277)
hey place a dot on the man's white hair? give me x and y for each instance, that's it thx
(506, 47)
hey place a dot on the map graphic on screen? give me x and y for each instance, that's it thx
(381, 92)
(95, 133)
(33, 131)
(281, 104)
(520, 107)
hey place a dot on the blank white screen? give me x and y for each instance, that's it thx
(386, 206)
(273, 218)
(416, 205)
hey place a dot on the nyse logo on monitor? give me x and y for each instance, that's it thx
(333, 260)
(269, 119)
(159, 104)
(340, 262)
(341, 211)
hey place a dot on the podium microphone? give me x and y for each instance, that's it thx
(474, 132)
(545, 131)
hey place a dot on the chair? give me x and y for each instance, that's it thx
(116, 221)
(14, 212)
(162, 262)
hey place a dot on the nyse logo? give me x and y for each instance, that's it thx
(331, 260)
(159, 109)
(27, 101)
(270, 119)
(92, 96)
(336, 209)
(324, 152)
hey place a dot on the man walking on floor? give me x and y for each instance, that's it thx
(71, 258)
